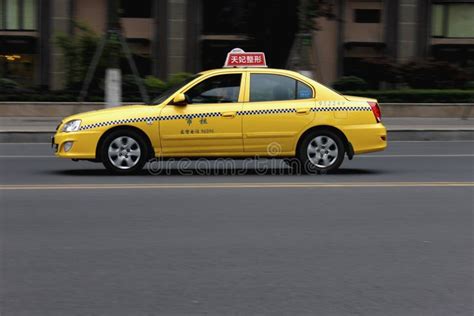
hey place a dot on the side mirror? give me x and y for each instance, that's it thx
(179, 99)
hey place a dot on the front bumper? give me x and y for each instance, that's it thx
(84, 144)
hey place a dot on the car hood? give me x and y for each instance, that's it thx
(119, 112)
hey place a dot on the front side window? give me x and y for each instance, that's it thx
(217, 89)
(265, 87)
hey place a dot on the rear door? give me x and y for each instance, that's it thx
(278, 108)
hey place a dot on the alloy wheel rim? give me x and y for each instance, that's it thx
(124, 152)
(322, 151)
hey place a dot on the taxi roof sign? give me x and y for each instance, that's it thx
(238, 58)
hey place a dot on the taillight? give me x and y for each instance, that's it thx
(376, 110)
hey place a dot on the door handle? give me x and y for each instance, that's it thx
(302, 111)
(228, 114)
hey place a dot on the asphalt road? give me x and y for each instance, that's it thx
(389, 234)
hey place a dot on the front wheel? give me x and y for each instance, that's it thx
(124, 152)
(320, 152)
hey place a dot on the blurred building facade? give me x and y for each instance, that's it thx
(155, 30)
(169, 36)
(401, 30)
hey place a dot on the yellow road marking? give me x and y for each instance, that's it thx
(267, 185)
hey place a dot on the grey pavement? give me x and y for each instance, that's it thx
(236, 250)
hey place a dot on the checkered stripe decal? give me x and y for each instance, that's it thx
(341, 108)
(151, 119)
(188, 116)
(124, 121)
(269, 111)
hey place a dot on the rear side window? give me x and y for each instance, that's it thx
(265, 87)
(303, 91)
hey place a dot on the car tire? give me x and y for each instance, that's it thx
(124, 152)
(320, 151)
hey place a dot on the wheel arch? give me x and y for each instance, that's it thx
(348, 146)
(123, 127)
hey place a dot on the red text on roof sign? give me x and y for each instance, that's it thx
(239, 58)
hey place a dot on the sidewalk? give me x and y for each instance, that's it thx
(40, 129)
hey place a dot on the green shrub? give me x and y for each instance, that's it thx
(129, 84)
(78, 52)
(8, 85)
(178, 78)
(375, 70)
(381, 69)
(431, 74)
(350, 83)
(154, 85)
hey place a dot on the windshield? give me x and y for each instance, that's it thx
(165, 95)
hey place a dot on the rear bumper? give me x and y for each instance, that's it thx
(367, 137)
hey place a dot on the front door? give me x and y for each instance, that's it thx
(208, 124)
(278, 109)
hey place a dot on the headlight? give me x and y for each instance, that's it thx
(72, 126)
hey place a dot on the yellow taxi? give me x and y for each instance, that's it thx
(238, 111)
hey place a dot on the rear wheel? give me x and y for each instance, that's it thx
(321, 151)
(124, 152)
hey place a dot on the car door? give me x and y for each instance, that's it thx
(278, 109)
(208, 124)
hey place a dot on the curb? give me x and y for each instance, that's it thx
(430, 135)
(26, 137)
(401, 135)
